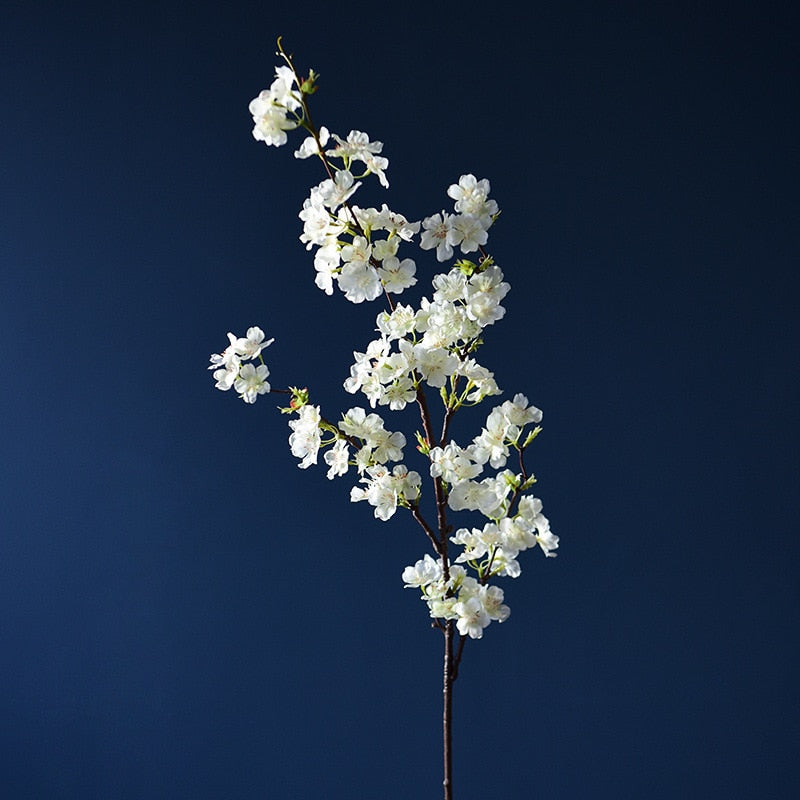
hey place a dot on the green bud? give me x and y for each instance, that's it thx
(466, 266)
(299, 398)
(422, 443)
(531, 436)
(309, 85)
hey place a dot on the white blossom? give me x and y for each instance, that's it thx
(492, 443)
(357, 146)
(516, 534)
(386, 445)
(453, 464)
(469, 232)
(397, 324)
(481, 381)
(318, 224)
(326, 264)
(251, 345)
(385, 248)
(450, 286)
(398, 394)
(397, 275)
(548, 541)
(424, 572)
(226, 376)
(530, 510)
(492, 597)
(471, 196)
(269, 109)
(472, 496)
(435, 363)
(359, 282)
(472, 617)
(270, 121)
(305, 438)
(519, 413)
(251, 382)
(334, 192)
(226, 365)
(438, 233)
(356, 422)
(337, 459)
(377, 165)
(309, 146)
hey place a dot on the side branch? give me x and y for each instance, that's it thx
(415, 512)
(438, 488)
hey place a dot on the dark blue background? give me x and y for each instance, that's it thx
(185, 614)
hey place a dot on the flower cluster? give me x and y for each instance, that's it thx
(229, 371)
(430, 345)
(468, 227)
(271, 107)
(433, 344)
(515, 522)
(360, 440)
(349, 254)
(457, 596)
(386, 490)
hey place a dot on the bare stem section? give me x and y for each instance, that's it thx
(447, 715)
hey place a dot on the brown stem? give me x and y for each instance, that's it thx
(457, 661)
(447, 716)
(446, 425)
(517, 493)
(438, 488)
(415, 512)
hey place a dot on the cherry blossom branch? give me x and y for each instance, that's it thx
(417, 348)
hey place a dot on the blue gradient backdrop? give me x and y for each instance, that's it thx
(185, 614)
